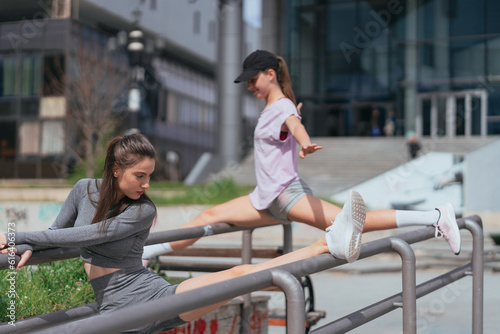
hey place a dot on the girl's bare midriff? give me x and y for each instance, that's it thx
(94, 271)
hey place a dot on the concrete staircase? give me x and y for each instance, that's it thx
(346, 161)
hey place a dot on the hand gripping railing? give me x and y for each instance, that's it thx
(282, 277)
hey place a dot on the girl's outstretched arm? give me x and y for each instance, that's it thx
(300, 134)
(136, 219)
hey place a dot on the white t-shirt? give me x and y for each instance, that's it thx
(275, 159)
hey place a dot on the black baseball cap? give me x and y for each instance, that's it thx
(257, 61)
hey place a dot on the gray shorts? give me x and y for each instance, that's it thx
(287, 199)
(132, 286)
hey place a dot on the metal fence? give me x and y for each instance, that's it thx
(284, 277)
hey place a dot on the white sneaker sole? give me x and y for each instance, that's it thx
(357, 216)
(450, 217)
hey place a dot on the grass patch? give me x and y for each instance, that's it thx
(216, 192)
(47, 288)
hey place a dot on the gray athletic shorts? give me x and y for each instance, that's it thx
(287, 199)
(133, 286)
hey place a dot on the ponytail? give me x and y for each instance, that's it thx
(284, 80)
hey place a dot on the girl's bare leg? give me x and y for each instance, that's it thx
(318, 213)
(380, 220)
(319, 247)
(309, 210)
(314, 212)
(238, 211)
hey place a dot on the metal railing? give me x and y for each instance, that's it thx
(285, 277)
(63, 253)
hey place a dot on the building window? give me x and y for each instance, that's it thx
(53, 75)
(29, 106)
(52, 138)
(7, 106)
(31, 76)
(163, 105)
(196, 22)
(29, 135)
(9, 78)
(7, 140)
(53, 107)
(212, 33)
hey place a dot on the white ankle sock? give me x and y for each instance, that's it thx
(415, 218)
(155, 250)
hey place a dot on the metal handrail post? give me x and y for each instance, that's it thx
(295, 301)
(477, 274)
(380, 308)
(409, 284)
(287, 238)
(246, 258)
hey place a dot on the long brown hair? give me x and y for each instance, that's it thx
(124, 152)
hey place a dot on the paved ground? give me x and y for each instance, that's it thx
(346, 289)
(446, 311)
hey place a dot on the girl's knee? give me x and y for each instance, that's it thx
(209, 214)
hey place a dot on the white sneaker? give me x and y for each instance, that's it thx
(447, 228)
(343, 237)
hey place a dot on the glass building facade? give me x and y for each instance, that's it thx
(432, 67)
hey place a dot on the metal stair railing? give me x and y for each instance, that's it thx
(285, 277)
(410, 292)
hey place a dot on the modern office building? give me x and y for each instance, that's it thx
(429, 66)
(432, 66)
(166, 88)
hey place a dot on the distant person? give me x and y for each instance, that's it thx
(413, 146)
(375, 126)
(390, 125)
(281, 196)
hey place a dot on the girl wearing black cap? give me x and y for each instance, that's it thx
(282, 196)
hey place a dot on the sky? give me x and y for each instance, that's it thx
(252, 12)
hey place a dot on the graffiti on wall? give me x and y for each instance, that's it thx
(213, 324)
(28, 216)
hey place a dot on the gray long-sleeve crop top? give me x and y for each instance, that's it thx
(120, 245)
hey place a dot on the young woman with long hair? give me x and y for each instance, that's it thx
(110, 218)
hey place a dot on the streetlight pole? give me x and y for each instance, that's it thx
(135, 49)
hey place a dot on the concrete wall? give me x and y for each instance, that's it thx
(482, 179)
